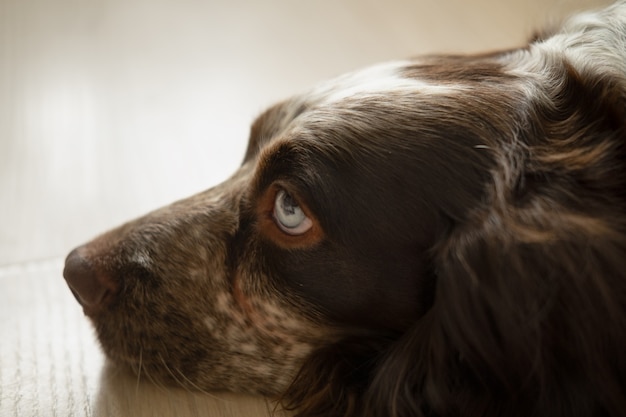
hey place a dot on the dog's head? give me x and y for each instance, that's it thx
(392, 238)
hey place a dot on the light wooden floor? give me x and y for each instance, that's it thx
(109, 108)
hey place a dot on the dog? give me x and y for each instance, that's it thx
(442, 236)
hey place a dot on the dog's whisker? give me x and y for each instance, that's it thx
(184, 382)
(139, 369)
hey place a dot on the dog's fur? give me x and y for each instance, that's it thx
(466, 254)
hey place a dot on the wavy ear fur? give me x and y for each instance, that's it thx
(519, 328)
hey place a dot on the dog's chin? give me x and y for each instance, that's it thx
(206, 374)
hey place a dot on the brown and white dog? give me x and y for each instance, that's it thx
(444, 236)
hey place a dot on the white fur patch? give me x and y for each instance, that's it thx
(141, 258)
(594, 42)
(374, 80)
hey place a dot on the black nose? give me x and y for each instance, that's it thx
(92, 287)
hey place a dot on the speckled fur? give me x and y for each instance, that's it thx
(468, 255)
(179, 319)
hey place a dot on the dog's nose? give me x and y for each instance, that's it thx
(92, 288)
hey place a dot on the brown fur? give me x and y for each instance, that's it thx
(467, 254)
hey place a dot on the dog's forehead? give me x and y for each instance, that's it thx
(383, 81)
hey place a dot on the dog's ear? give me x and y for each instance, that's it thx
(526, 321)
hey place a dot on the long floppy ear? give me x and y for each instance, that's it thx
(527, 320)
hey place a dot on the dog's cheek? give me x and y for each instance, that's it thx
(269, 330)
(377, 290)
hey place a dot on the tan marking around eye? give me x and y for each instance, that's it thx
(268, 229)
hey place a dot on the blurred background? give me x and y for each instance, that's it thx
(111, 108)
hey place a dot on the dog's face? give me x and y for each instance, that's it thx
(423, 218)
(325, 230)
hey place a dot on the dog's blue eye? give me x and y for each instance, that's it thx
(289, 216)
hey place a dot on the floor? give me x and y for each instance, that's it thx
(110, 108)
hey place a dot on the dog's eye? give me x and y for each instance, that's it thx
(289, 216)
